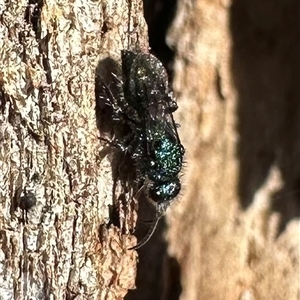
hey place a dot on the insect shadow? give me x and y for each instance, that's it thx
(107, 87)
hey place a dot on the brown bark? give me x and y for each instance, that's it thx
(235, 232)
(50, 149)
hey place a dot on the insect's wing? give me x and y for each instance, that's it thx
(146, 84)
(147, 89)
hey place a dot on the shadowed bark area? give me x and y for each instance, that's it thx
(235, 232)
(266, 75)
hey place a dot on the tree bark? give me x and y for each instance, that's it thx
(56, 189)
(235, 232)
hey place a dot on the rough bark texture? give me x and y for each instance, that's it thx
(49, 52)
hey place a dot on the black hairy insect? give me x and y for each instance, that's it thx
(27, 201)
(33, 15)
(146, 108)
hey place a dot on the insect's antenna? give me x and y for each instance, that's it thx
(147, 237)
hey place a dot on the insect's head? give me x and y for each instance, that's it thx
(163, 192)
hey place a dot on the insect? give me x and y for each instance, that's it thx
(28, 200)
(146, 107)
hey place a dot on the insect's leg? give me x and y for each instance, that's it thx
(147, 237)
(109, 100)
(113, 143)
(119, 110)
(127, 145)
